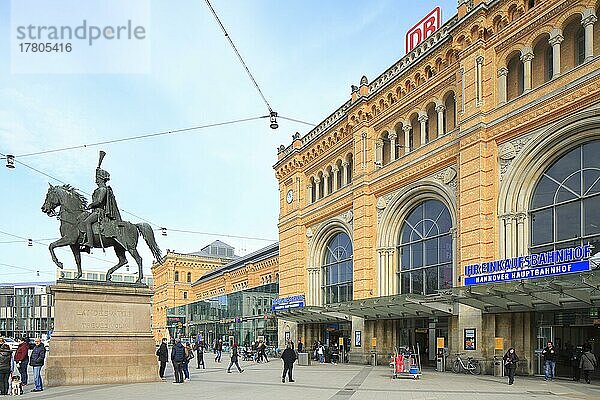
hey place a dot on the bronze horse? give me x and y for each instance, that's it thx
(72, 213)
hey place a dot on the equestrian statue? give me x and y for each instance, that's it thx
(101, 227)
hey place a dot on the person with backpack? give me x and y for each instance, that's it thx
(163, 356)
(510, 363)
(234, 359)
(6, 367)
(587, 364)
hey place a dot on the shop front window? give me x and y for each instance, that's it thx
(565, 206)
(425, 250)
(338, 270)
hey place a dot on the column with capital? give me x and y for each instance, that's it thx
(345, 165)
(309, 194)
(379, 152)
(526, 58)
(423, 120)
(502, 93)
(318, 188)
(588, 21)
(440, 108)
(556, 38)
(326, 186)
(392, 135)
(336, 173)
(407, 128)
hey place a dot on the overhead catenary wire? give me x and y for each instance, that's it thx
(297, 120)
(37, 271)
(139, 137)
(239, 56)
(219, 235)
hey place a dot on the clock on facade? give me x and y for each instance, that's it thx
(290, 196)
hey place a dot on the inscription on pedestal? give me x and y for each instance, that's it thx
(105, 318)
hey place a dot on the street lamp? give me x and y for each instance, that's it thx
(10, 161)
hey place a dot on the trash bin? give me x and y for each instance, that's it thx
(373, 358)
(498, 367)
(440, 363)
(303, 359)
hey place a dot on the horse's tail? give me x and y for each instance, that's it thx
(148, 235)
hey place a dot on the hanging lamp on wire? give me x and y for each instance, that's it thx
(273, 120)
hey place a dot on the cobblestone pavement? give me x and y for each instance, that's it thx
(335, 382)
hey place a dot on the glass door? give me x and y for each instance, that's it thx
(545, 334)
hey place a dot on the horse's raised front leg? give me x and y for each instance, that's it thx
(62, 242)
(77, 256)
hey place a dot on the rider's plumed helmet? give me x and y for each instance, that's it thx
(102, 174)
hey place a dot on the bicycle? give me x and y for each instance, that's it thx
(472, 365)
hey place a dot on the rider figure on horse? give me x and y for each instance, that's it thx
(103, 206)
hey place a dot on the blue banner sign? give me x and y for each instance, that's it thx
(550, 263)
(285, 303)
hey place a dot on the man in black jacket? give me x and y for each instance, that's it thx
(234, 359)
(163, 357)
(38, 354)
(288, 357)
(177, 358)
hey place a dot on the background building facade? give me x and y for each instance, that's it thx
(26, 309)
(475, 146)
(173, 278)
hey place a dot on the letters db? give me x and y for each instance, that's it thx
(422, 30)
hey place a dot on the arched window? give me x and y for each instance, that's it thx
(350, 166)
(516, 77)
(189, 277)
(176, 276)
(337, 270)
(565, 206)
(531, 4)
(450, 112)
(425, 249)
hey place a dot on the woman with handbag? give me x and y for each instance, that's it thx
(587, 363)
(510, 363)
(189, 354)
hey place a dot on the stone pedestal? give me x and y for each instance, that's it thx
(102, 334)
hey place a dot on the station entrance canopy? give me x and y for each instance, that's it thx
(389, 307)
(579, 290)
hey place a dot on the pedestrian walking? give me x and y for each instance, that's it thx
(189, 355)
(587, 364)
(218, 350)
(550, 355)
(510, 363)
(38, 354)
(200, 355)
(575, 360)
(321, 353)
(163, 356)
(6, 367)
(22, 359)
(177, 358)
(234, 359)
(263, 351)
(288, 356)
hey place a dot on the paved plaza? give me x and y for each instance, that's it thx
(335, 382)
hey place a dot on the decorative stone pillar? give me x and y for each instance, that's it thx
(407, 129)
(392, 135)
(318, 188)
(502, 74)
(309, 196)
(526, 58)
(440, 119)
(381, 272)
(588, 21)
(556, 38)
(379, 152)
(521, 220)
(345, 165)
(479, 81)
(423, 120)
(336, 173)
(326, 187)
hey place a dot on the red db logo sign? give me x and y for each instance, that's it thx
(423, 29)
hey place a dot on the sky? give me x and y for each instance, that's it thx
(218, 181)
